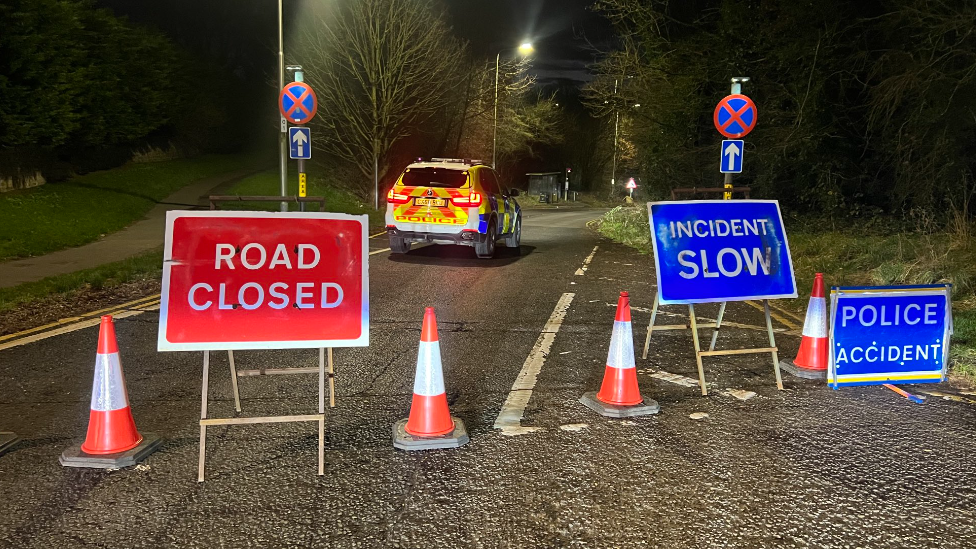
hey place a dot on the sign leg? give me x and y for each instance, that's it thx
(718, 325)
(322, 445)
(321, 381)
(698, 356)
(233, 381)
(331, 380)
(650, 327)
(772, 344)
(203, 415)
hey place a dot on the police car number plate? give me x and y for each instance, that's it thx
(429, 201)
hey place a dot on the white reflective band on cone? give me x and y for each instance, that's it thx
(430, 376)
(815, 324)
(621, 354)
(108, 391)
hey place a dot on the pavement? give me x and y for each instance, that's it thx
(746, 466)
(141, 236)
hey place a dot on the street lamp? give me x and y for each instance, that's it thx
(525, 48)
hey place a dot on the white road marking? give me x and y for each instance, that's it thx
(586, 262)
(678, 379)
(509, 419)
(573, 426)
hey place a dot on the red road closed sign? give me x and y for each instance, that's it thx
(256, 280)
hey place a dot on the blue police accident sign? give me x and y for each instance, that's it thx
(889, 334)
(300, 141)
(720, 250)
(732, 150)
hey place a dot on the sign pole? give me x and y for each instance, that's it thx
(282, 136)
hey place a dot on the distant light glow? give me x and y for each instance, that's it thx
(525, 48)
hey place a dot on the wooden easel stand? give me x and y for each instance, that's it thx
(694, 326)
(234, 373)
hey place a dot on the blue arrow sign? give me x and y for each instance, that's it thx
(732, 150)
(300, 140)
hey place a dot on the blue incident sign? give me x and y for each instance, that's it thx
(720, 250)
(889, 334)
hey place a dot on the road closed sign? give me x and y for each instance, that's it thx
(256, 280)
(891, 334)
(720, 250)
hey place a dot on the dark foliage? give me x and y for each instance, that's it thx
(863, 106)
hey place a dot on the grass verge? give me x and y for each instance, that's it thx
(80, 210)
(141, 267)
(853, 257)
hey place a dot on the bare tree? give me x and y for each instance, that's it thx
(381, 69)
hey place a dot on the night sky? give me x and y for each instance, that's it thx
(567, 34)
(242, 34)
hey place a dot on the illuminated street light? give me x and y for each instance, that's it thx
(525, 48)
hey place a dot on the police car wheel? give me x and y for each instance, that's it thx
(514, 240)
(486, 248)
(399, 245)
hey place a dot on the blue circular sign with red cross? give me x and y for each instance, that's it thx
(297, 103)
(735, 116)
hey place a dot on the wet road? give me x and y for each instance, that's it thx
(803, 467)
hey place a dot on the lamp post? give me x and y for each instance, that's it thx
(616, 132)
(525, 49)
(283, 131)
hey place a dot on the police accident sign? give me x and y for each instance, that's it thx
(720, 250)
(889, 334)
(257, 280)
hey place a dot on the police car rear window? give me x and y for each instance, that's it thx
(435, 177)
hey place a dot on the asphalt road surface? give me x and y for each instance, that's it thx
(803, 467)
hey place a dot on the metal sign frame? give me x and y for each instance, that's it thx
(880, 378)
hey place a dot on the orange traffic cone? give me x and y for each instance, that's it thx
(811, 360)
(430, 424)
(619, 394)
(112, 439)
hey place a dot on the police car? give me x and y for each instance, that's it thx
(452, 201)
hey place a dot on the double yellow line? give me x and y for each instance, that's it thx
(785, 317)
(66, 325)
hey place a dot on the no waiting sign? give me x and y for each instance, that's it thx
(255, 280)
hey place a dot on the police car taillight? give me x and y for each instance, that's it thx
(470, 201)
(394, 197)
